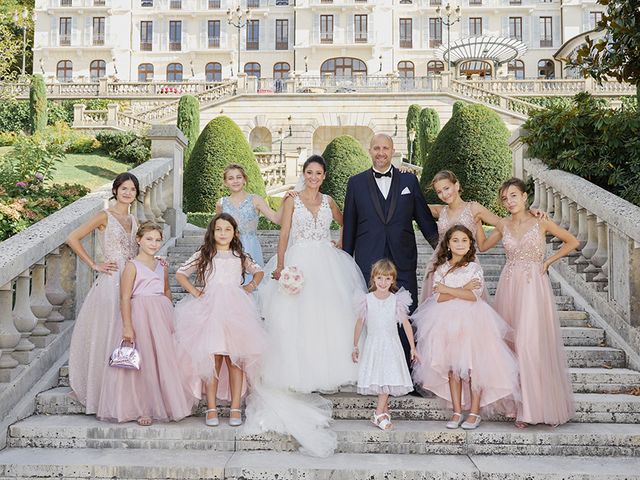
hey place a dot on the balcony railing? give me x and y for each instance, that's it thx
(175, 4)
(99, 3)
(546, 42)
(213, 42)
(475, 2)
(175, 46)
(146, 3)
(435, 42)
(515, 2)
(146, 46)
(65, 40)
(406, 43)
(253, 45)
(214, 4)
(360, 37)
(326, 37)
(66, 3)
(282, 45)
(253, 3)
(435, 3)
(98, 39)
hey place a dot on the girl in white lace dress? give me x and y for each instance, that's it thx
(383, 369)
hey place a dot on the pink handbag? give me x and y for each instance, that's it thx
(125, 357)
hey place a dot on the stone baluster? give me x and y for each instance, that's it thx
(9, 336)
(148, 211)
(574, 228)
(155, 208)
(536, 194)
(54, 291)
(40, 306)
(24, 320)
(589, 249)
(600, 256)
(601, 279)
(550, 202)
(580, 233)
(160, 196)
(137, 210)
(557, 218)
(542, 192)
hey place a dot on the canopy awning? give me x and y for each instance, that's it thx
(484, 47)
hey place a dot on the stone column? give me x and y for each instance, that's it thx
(9, 336)
(78, 114)
(40, 306)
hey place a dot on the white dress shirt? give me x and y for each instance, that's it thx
(384, 183)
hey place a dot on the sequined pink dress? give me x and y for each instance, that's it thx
(94, 333)
(223, 321)
(445, 223)
(160, 389)
(469, 339)
(525, 300)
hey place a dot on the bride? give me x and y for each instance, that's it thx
(311, 332)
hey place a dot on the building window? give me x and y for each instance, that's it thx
(515, 28)
(515, 2)
(214, 4)
(406, 2)
(146, 36)
(99, 3)
(435, 3)
(406, 69)
(475, 2)
(546, 69)
(175, 35)
(146, 3)
(98, 30)
(546, 32)
(344, 67)
(252, 69)
(97, 70)
(282, 34)
(281, 70)
(213, 33)
(145, 72)
(282, 3)
(406, 33)
(65, 31)
(253, 34)
(360, 28)
(435, 67)
(595, 18)
(213, 72)
(66, 3)
(435, 32)
(175, 4)
(253, 3)
(174, 72)
(475, 26)
(326, 28)
(64, 71)
(516, 68)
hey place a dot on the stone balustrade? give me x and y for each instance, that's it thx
(552, 87)
(279, 170)
(42, 283)
(480, 94)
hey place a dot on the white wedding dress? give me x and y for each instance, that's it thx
(311, 333)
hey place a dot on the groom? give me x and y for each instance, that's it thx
(379, 208)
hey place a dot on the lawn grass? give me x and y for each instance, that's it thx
(91, 170)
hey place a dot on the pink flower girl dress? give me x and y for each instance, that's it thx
(525, 300)
(468, 339)
(94, 334)
(160, 390)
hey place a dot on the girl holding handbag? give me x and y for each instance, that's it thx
(158, 389)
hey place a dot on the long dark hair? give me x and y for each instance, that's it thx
(208, 250)
(444, 253)
(120, 179)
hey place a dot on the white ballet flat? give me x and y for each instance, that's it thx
(211, 422)
(235, 422)
(472, 426)
(455, 423)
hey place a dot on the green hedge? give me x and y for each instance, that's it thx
(345, 157)
(429, 128)
(474, 145)
(220, 143)
(189, 122)
(125, 146)
(38, 104)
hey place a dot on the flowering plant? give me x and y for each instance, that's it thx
(291, 280)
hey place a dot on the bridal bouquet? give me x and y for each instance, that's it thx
(291, 280)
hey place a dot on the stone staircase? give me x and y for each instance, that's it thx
(602, 442)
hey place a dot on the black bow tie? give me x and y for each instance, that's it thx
(380, 175)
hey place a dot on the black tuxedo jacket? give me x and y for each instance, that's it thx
(368, 233)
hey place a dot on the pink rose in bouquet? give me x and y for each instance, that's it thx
(291, 280)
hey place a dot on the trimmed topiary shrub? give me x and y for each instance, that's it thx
(189, 122)
(474, 145)
(345, 157)
(413, 122)
(429, 128)
(38, 104)
(220, 143)
(456, 106)
(125, 146)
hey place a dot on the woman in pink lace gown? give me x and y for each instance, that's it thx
(160, 390)
(93, 334)
(525, 299)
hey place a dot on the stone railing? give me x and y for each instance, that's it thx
(511, 104)
(93, 120)
(563, 87)
(279, 170)
(42, 283)
(605, 271)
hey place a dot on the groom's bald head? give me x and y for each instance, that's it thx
(381, 136)
(381, 151)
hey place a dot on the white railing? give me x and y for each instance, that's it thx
(278, 169)
(109, 118)
(511, 104)
(42, 283)
(543, 87)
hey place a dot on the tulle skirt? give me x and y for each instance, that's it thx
(223, 321)
(160, 389)
(468, 340)
(94, 339)
(525, 300)
(311, 333)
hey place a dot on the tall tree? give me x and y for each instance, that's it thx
(617, 54)
(11, 38)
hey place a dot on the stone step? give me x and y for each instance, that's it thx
(354, 436)
(590, 407)
(75, 464)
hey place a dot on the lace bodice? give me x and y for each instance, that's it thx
(525, 252)
(307, 227)
(459, 277)
(465, 218)
(245, 214)
(227, 270)
(115, 243)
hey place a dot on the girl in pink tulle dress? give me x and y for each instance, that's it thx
(159, 391)
(461, 339)
(218, 323)
(526, 301)
(382, 368)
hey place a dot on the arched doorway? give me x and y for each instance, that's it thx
(546, 68)
(97, 70)
(213, 72)
(324, 135)
(260, 137)
(516, 68)
(435, 67)
(475, 67)
(343, 67)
